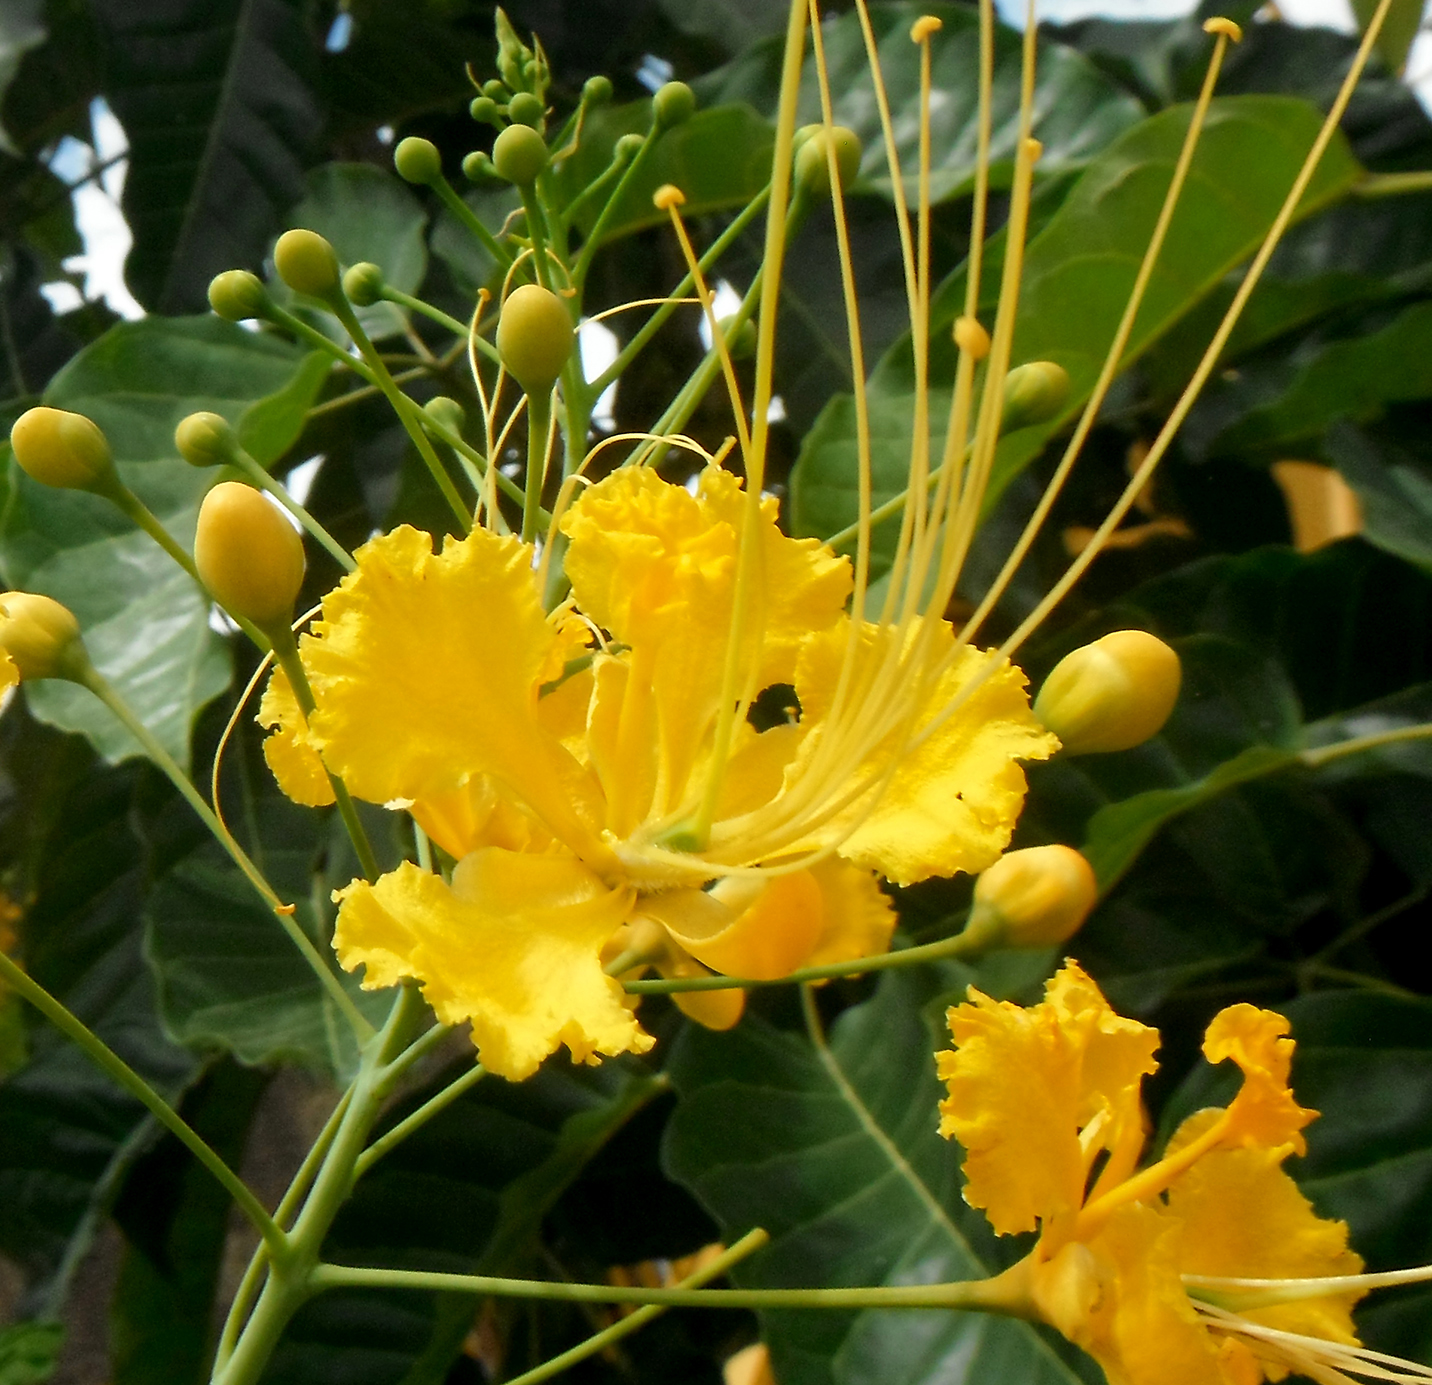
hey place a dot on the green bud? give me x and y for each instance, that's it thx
(596, 91)
(534, 337)
(519, 154)
(237, 295)
(626, 149)
(512, 53)
(496, 91)
(526, 109)
(417, 160)
(306, 263)
(812, 164)
(61, 449)
(1113, 694)
(674, 104)
(446, 413)
(205, 439)
(40, 637)
(363, 284)
(1034, 898)
(477, 167)
(483, 109)
(1033, 393)
(248, 555)
(741, 344)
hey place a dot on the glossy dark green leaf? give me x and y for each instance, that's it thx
(839, 1159)
(1399, 27)
(29, 1352)
(145, 622)
(1079, 269)
(217, 102)
(1394, 488)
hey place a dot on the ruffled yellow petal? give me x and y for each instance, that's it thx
(477, 815)
(1244, 1217)
(1023, 1082)
(513, 947)
(290, 755)
(858, 915)
(1264, 1111)
(954, 796)
(454, 645)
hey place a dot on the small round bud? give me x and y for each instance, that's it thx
(596, 91)
(417, 160)
(41, 637)
(1033, 898)
(1033, 393)
(495, 90)
(237, 295)
(525, 108)
(674, 104)
(205, 440)
(626, 149)
(446, 413)
(483, 109)
(61, 449)
(477, 167)
(248, 555)
(519, 154)
(534, 337)
(306, 263)
(1113, 694)
(740, 342)
(812, 166)
(363, 284)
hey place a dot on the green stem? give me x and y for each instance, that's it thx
(115, 1067)
(539, 422)
(1325, 754)
(460, 329)
(264, 481)
(285, 651)
(90, 678)
(749, 1243)
(1392, 184)
(281, 317)
(594, 237)
(469, 218)
(962, 944)
(391, 1139)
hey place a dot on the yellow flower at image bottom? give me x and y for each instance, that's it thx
(588, 773)
(1045, 1100)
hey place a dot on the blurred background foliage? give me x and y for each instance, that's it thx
(1285, 548)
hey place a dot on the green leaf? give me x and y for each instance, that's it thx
(1080, 109)
(1079, 269)
(1394, 488)
(21, 29)
(1404, 19)
(838, 1158)
(145, 622)
(29, 1352)
(218, 107)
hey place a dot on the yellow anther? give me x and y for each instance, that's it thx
(287, 910)
(1220, 25)
(971, 338)
(924, 27)
(1033, 150)
(667, 196)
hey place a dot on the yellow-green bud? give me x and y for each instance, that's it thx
(495, 89)
(596, 91)
(417, 160)
(626, 149)
(740, 342)
(519, 154)
(306, 263)
(525, 108)
(1036, 897)
(1033, 393)
(446, 413)
(238, 295)
(674, 104)
(205, 440)
(41, 637)
(483, 109)
(248, 555)
(1110, 695)
(812, 166)
(477, 167)
(363, 284)
(534, 337)
(61, 449)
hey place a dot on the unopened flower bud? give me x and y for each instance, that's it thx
(674, 104)
(41, 637)
(519, 154)
(812, 166)
(248, 555)
(1033, 393)
(477, 167)
(526, 108)
(205, 440)
(483, 109)
(596, 91)
(626, 149)
(495, 89)
(417, 160)
(534, 337)
(1110, 695)
(445, 412)
(61, 449)
(237, 295)
(1033, 898)
(306, 263)
(363, 284)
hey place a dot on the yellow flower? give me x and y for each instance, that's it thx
(1046, 1102)
(563, 760)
